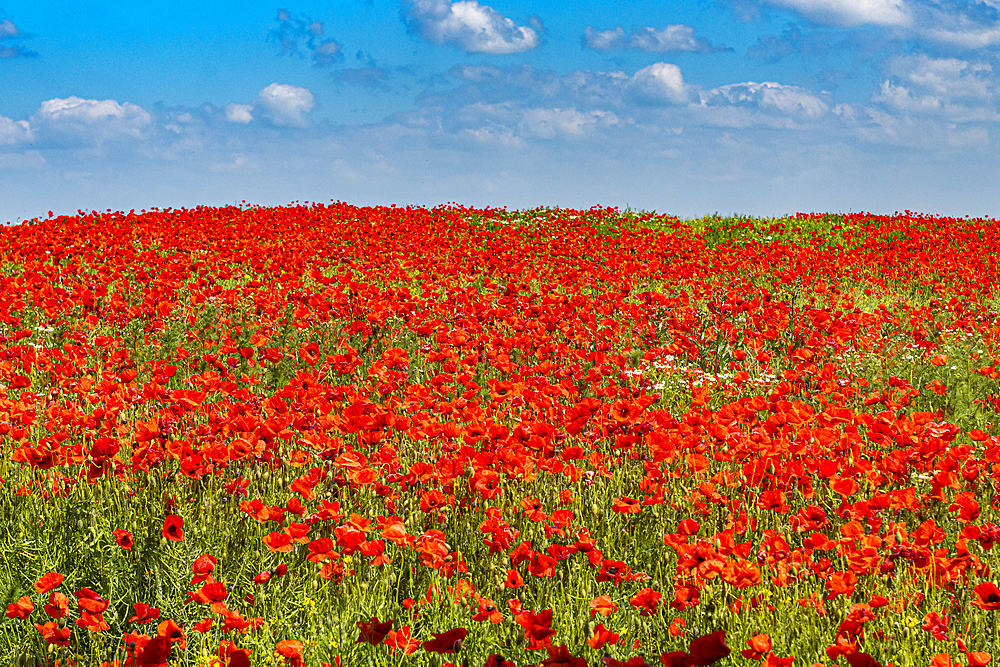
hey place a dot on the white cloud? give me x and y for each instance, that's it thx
(605, 40)
(789, 100)
(90, 120)
(901, 98)
(662, 81)
(670, 38)
(970, 25)
(239, 113)
(970, 38)
(551, 123)
(284, 104)
(959, 89)
(14, 131)
(468, 25)
(851, 12)
(950, 77)
(8, 30)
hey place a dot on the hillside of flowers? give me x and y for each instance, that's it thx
(324, 435)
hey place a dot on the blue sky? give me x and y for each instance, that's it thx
(760, 107)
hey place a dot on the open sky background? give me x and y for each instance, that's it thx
(759, 107)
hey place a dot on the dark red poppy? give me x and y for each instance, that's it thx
(373, 631)
(154, 652)
(559, 656)
(446, 642)
(232, 656)
(708, 649)
(860, 659)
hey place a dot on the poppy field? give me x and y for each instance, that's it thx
(323, 434)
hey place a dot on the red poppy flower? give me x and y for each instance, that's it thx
(57, 605)
(151, 652)
(47, 582)
(280, 542)
(173, 528)
(402, 640)
(124, 539)
(90, 601)
(537, 627)
(636, 661)
(53, 634)
(841, 583)
(497, 660)
(432, 500)
(487, 610)
(92, 622)
(21, 608)
(514, 579)
(602, 605)
(291, 651)
(320, 550)
(615, 571)
(212, 593)
(203, 626)
(626, 506)
(978, 658)
(172, 631)
(760, 646)
(144, 613)
(202, 567)
(987, 596)
(559, 656)
(602, 636)
(446, 642)
(373, 631)
(231, 656)
(775, 661)
(708, 649)
(646, 601)
(859, 659)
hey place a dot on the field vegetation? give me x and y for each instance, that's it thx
(328, 435)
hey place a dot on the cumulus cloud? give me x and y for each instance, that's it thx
(74, 119)
(14, 131)
(894, 13)
(285, 104)
(239, 113)
(670, 38)
(662, 82)
(297, 35)
(470, 26)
